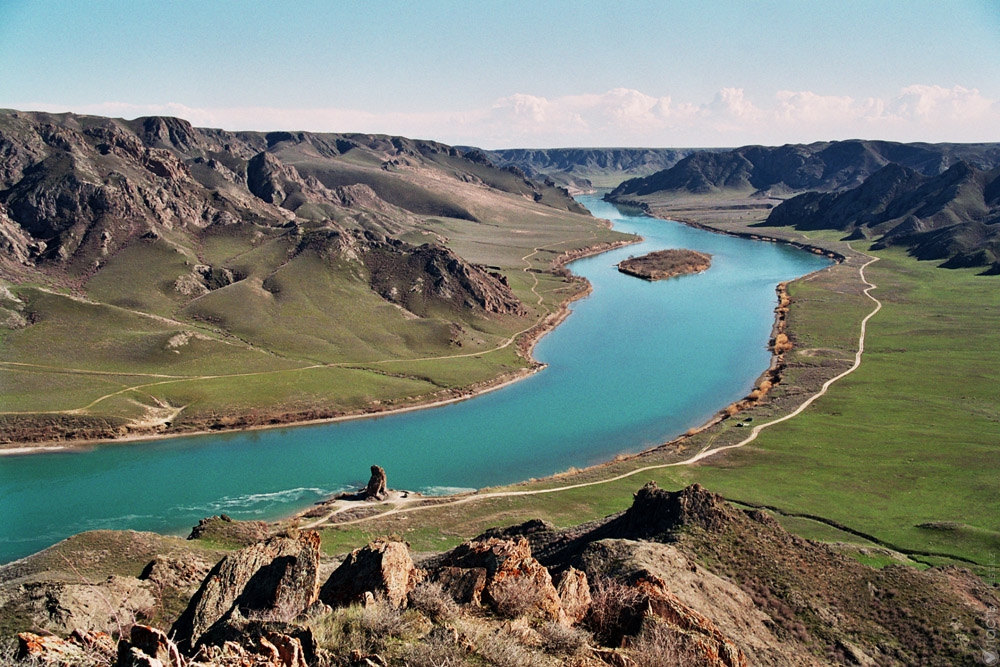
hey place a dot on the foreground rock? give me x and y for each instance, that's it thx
(382, 569)
(679, 578)
(275, 580)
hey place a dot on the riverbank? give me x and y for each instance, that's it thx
(261, 419)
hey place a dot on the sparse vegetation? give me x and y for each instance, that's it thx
(664, 264)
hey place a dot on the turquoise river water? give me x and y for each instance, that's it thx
(635, 364)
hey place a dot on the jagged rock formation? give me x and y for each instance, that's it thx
(503, 575)
(678, 578)
(274, 580)
(954, 216)
(382, 568)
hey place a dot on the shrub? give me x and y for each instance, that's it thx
(430, 598)
(503, 649)
(558, 639)
(616, 610)
(659, 646)
(515, 597)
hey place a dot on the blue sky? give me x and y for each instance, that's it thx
(504, 74)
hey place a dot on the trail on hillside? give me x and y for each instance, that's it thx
(165, 379)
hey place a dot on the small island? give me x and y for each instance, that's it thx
(664, 264)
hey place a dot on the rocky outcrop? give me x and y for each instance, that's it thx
(503, 575)
(574, 595)
(382, 569)
(424, 278)
(679, 578)
(62, 608)
(275, 580)
(376, 489)
(655, 511)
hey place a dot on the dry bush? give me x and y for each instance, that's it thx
(558, 639)
(366, 628)
(430, 598)
(515, 597)
(659, 646)
(435, 653)
(616, 610)
(503, 649)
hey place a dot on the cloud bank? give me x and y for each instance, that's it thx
(626, 117)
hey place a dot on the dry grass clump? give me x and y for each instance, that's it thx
(430, 598)
(657, 646)
(368, 629)
(503, 648)
(616, 610)
(558, 639)
(515, 597)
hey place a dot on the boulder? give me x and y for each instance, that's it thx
(274, 580)
(503, 575)
(574, 595)
(381, 569)
(48, 650)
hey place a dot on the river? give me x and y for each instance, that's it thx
(635, 364)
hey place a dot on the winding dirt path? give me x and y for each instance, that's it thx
(405, 505)
(161, 413)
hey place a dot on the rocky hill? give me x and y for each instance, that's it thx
(77, 189)
(680, 578)
(822, 166)
(940, 201)
(150, 246)
(953, 216)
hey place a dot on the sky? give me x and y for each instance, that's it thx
(505, 74)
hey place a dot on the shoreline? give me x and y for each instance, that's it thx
(525, 342)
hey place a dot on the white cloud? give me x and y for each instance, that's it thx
(628, 117)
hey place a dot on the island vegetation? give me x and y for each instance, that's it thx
(663, 264)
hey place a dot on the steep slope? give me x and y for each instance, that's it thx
(824, 166)
(953, 216)
(156, 248)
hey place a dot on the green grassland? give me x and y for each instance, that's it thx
(300, 332)
(912, 438)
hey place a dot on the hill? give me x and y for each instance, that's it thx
(149, 249)
(953, 216)
(677, 578)
(937, 200)
(823, 166)
(583, 169)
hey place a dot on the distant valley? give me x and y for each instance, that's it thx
(941, 201)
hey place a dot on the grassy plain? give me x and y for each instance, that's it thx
(301, 334)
